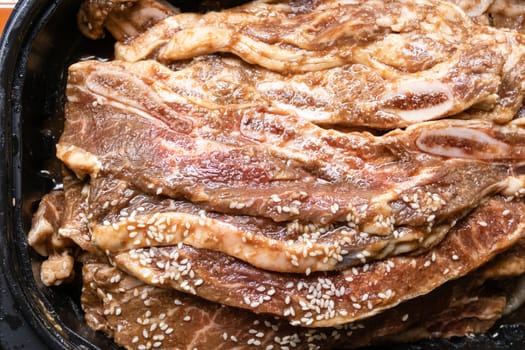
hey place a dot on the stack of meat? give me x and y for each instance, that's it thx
(300, 174)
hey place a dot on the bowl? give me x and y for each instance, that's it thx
(40, 41)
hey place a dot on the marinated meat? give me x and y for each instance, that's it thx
(43, 236)
(299, 35)
(275, 175)
(75, 220)
(137, 314)
(93, 14)
(353, 95)
(417, 70)
(322, 300)
(219, 277)
(124, 19)
(272, 165)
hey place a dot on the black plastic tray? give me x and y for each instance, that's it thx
(39, 42)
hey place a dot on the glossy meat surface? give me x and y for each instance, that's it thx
(293, 174)
(257, 162)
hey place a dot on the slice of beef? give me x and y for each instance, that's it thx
(353, 95)
(124, 19)
(123, 219)
(136, 315)
(322, 299)
(93, 13)
(74, 223)
(413, 73)
(133, 21)
(262, 163)
(297, 36)
(59, 228)
(43, 235)
(262, 147)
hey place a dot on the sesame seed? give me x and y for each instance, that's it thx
(275, 198)
(187, 318)
(455, 257)
(404, 318)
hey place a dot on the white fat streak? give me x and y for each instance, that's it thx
(513, 184)
(78, 159)
(303, 88)
(476, 8)
(168, 95)
(203, 40)
(260, 251)
(348, 2)
(102, 100)
(422, 87)
(498, 148)
(148, 42)
(315, 115)
(414, 182)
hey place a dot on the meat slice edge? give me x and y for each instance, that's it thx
(386, 283)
